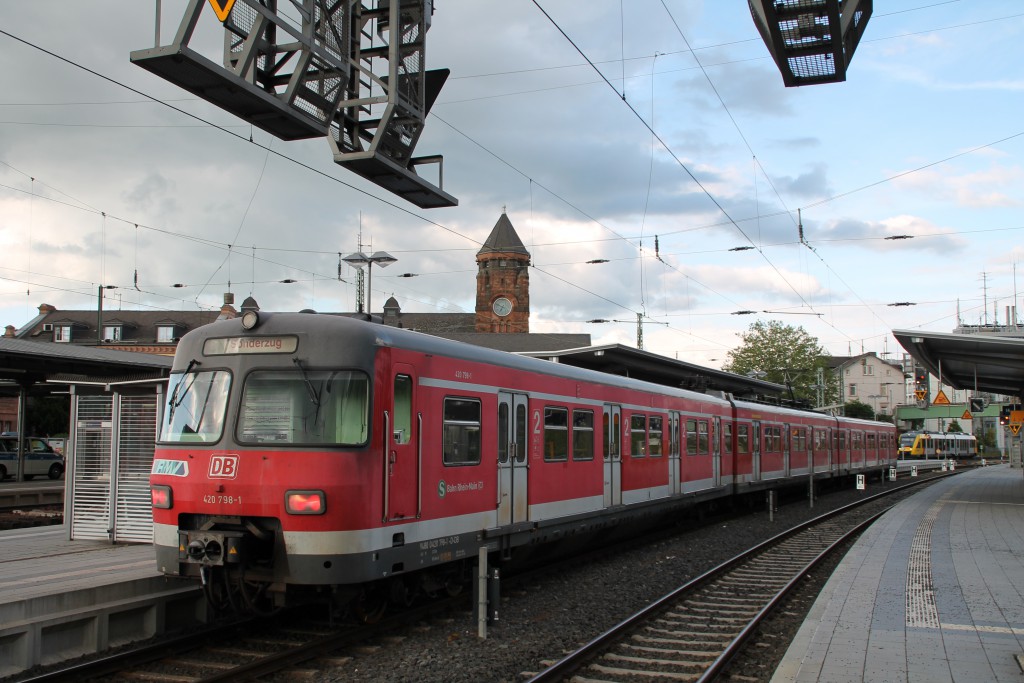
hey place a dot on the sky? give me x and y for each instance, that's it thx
(656, 135)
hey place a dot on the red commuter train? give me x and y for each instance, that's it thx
(304, 453)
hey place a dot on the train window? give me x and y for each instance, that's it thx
(656, 436)
(637, 435)
(799, 439)
(842, 440)
(402, 428)
(742, 439)
(305, 407)
(871, 441)
(583, 435)
(691, 437)
(702, 438)
(520, 427)
(461, 431)
(503, 438)
(727, 437)
(556, 434)
(612, 432)
(196, 406)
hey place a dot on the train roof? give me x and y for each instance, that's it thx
(616, 359)
(370, 334)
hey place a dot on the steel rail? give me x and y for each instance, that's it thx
(576, 660)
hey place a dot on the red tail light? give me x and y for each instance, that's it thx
(161, 497)
(305, 502)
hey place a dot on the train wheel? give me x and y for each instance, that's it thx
(370, 605)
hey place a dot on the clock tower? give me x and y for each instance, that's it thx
(503, 281)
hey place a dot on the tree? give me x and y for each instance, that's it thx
(855, 408)
(785, 355)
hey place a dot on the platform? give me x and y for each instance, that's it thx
(933, 591)
(61, 599)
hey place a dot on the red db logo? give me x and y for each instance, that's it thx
(223, 466)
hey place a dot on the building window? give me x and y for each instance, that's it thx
(62, 333)
(869, 369)
(165, 333)
(853, 390)
(112, 333)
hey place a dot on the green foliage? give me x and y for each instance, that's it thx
(48, 416)
(855, 408)
(954, 427)
(786, 355)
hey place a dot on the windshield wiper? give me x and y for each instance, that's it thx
(314, 395)
(176, 400)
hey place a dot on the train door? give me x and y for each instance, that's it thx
(787, 440)
(716, 453)
(513, 504)
(673, 452)
(831, 460)
(755, 452)
(404, 453)
(612, 455)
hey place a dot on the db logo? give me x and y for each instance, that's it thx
(223, 466)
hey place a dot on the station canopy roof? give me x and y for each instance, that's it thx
(969, 361)
(616, 359)
(35, 365)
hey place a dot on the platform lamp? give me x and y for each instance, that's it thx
(358, 260)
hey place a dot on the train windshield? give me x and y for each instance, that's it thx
(196, 405)
(305, 407)
(907, 439)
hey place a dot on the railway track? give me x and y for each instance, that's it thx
(299, 644)
(693, 633)
(246, 651)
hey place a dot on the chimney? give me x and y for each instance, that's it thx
(9, 331)
(44, 309)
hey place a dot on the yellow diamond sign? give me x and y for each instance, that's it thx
(222, 8)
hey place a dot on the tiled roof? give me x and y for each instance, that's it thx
(503, 238)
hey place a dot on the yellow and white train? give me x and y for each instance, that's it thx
(924, 445)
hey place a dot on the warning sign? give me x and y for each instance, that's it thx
(1014, 428)
(222, 8)
(920, 394)
(940, 399)
(967, 415)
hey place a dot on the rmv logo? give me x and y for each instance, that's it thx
(223, 466)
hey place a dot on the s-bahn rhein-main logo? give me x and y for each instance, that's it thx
(223, 466)
(171, 468)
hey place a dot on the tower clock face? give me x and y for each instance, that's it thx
(501, 306)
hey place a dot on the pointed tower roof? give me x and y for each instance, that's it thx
(503, 238)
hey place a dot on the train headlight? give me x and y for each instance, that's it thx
(305, 502)
(161, 497)
(250, 319)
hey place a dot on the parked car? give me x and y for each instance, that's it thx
(40, 458)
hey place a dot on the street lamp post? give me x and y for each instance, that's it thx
(358, 260)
